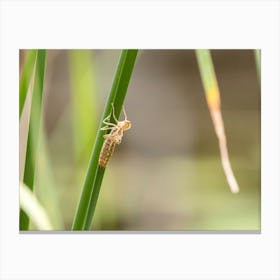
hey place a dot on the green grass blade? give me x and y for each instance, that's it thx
(83, 101)
(94, 196)
(34, 126)
(31, 205)
(26, 78)
(257, 54)
(94, 176)
(212, 93)
(45, 184)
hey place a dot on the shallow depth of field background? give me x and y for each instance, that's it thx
(166, 174)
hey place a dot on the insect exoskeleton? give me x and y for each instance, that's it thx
(113, 138)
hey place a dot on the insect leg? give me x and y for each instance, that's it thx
(108, 123)
(125, 116)
(107, 118)
(113, 111)
(105, 128)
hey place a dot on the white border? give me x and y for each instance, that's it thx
(156, 24)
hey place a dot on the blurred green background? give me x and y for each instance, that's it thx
(166, 174)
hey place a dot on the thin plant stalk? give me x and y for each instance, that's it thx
(94, 175)
(34, 127)
(45, 186)
(83, 101)
(212, 93)
(26, 78)
(35, 210)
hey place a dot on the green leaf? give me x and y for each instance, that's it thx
(26, 78)
(46, 188)
(94, 176)
(83, 101)
(212, 94)
(34, 126)
(30, 204)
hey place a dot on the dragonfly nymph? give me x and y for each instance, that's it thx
(113, 138)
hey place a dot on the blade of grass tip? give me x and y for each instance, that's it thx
(94, 175)
(34, 126)
(26, 77)
(210, 85)
(257, 54)
(30, 204)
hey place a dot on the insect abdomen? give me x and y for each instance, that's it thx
(106, 152)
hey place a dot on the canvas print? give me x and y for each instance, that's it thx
(140, 140)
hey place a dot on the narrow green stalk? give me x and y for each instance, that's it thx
(257, 53)
(31, 205)
(212, 93)
(83, 101)
(26, 77)
(45, 186)
(94, 176)
(34, 126)
(94, 196)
